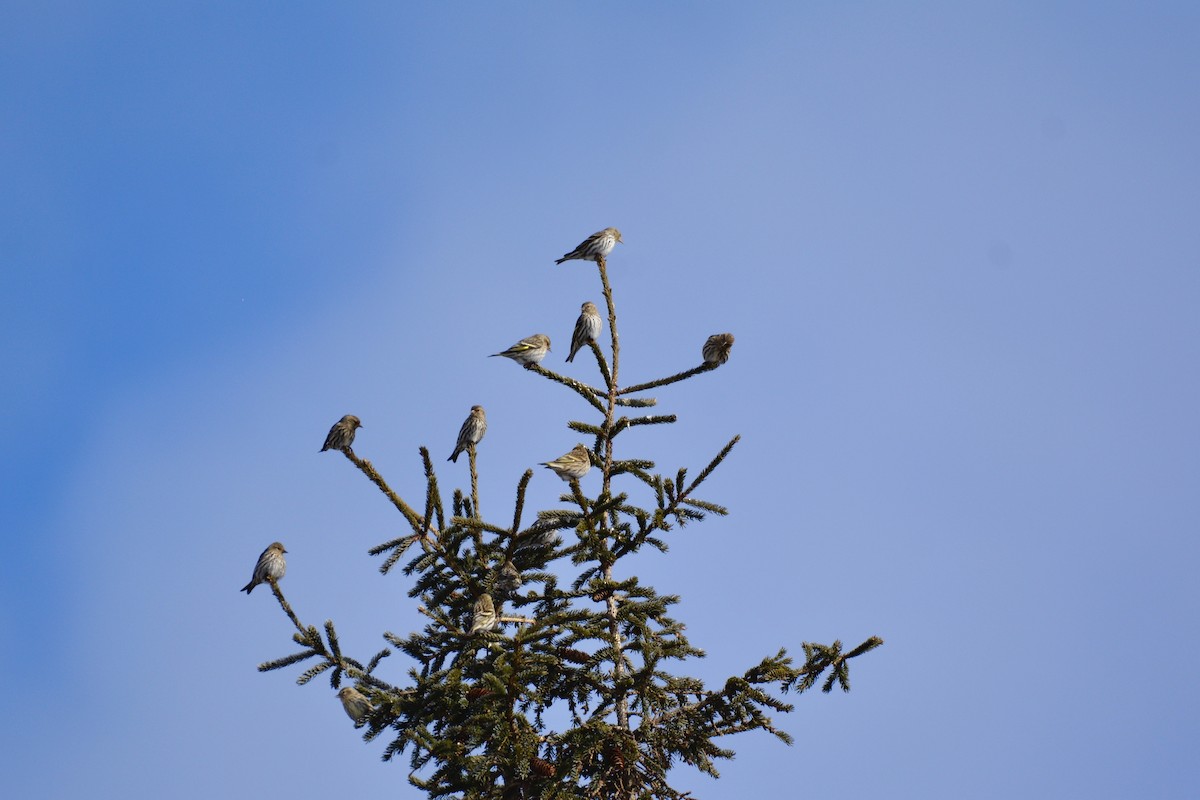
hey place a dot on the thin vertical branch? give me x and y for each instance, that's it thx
(474, 483)
(614, 628)
(614, 632)
(521, 487)
(602, 263)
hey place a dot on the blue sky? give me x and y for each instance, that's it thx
(958, 248)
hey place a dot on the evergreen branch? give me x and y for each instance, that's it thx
(377, 479)
(285, 605)
(313, 672)
(476, 525)
(475, 496)
(584, 391)
(600, 362)
(310, 638)
(680, 376)
(704, 473)
(611, 604)
(374, 662)
(286, 661)
(712, 508)
(433, 495)
(402, 542)
(640, 474)
(631, 464)
(516, 526)
(585, 428)
(333, 641)
(672, 495)
(577, 493)
(602, 267)
(866, 647)
(396, 554)
(654, 420)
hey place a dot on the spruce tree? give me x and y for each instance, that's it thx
(573, 629)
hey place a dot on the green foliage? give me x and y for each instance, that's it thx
(575, 694)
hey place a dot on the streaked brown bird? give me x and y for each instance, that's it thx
(587, 328)
(271, 566)
(471, 432)
(529, 351)
(573, 465)
(341, 435)
(509, 579)
(716, 348)
(356, 704)
(595, 247)
(483, 615)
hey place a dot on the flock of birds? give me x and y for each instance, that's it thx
(571, 466)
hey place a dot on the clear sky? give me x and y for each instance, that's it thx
(958, 246)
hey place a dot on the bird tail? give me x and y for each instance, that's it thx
(560, 260)
(454, 456)
(248, 587)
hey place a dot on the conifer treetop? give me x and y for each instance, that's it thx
(545, 668)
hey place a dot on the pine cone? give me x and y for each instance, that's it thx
(570, 654)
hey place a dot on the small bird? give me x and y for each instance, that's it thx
(270, 567)
(483, 615)
(587, 328)
(573, 465)
(529, 351)
(471, 432)
(341, 435)
(594, 248)
(716, 348)
(534, 544)
(356, 704)
(509, 579)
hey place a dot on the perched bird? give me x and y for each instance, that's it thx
(716, 349)
(356, 704)
(483, 615)
(471, 432)
(536, 543)
(529, 351)
(595, 247)
(587, 328)
(271, 566)
(509, 579)
(341, 435)
(573, 465)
